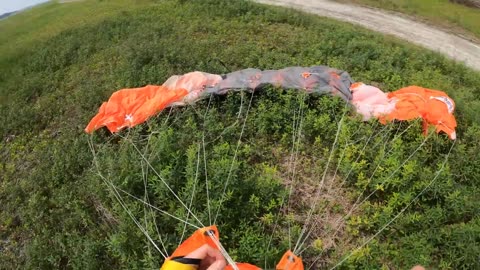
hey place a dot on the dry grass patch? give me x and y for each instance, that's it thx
(325, 199)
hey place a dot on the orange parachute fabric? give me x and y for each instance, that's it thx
(130, 107)
(433, 106)
(201, 237)
(290, 261)
(243, 266)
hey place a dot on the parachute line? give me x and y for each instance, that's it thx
(224, 252)
(296, 129)
(401, 211)
(147, 198)
(120, 200)
(233, 160)
(294, 170)
(309, 215)
(158, 209)
(165, 183)
(150, 210)
(193, 194)
(344, 180)
(388, 178)
(343, 219)
(205, 162)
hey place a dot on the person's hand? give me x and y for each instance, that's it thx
(418, 267)
(211, 258)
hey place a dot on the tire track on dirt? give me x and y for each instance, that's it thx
(455, 47)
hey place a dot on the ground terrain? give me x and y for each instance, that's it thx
(58, 62)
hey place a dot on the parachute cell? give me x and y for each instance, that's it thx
(370, 101)
(130, 107)
(433, 106)
(316, 79)
(194, 82)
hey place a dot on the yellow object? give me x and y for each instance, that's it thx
(173, 265)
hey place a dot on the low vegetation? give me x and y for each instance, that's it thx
(59, 208)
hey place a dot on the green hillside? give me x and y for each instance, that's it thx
(59, 208)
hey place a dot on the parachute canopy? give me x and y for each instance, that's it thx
(433, 106)
(130, 107)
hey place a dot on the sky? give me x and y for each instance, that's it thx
(13, 5)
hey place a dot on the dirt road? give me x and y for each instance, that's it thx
(385, 22)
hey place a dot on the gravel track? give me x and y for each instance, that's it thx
(453, 46)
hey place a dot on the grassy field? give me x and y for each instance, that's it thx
(461, 19)
(60, 61)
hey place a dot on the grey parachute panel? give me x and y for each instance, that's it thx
(248, 79)
(315, 79)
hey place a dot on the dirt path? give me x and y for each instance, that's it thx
(385, 22)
